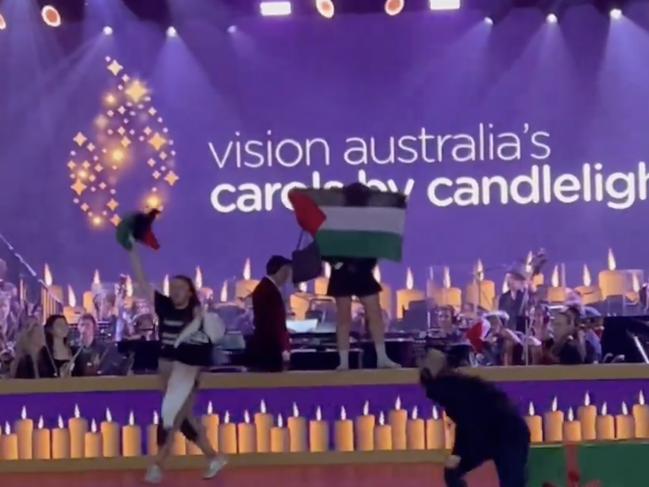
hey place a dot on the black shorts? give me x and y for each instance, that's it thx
(353, 279)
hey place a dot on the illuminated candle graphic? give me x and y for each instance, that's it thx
(408, 295)
(78, 428)
(448, 295)
(203, 292)
(624, 424)
(71, 311)
(89, 296)
(60, 441)
(110, 436)
(589, 294)
(299, 301)
(537, 280)
(556, 293)
(264, 423)
(224, 292)
(42, 442)
(612, 282)
(383, 435)
(553, 424)
(279, 437)
(385, 296)
(24, 428)
(131, 438)
(322, 283)
(318, 433)
(152, 435)
(571, 428)
(247, 435)
(416, 436)
(641, 417)
(244, 287)
(397, 419)
(227, 435)
(605, 426)
(587, 415)
(480, 292)
(211, 425)
(51, 291)
(178, 444)
(165, 285)
(344, 432)
(365, 430)
(9, 443)
(534, 424)
(435, 432)
(93, 442)
(297, 431)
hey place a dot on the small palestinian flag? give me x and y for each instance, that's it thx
(137, 227)
(353, 221)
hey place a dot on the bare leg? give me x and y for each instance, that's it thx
(343, 328)
(377, 329)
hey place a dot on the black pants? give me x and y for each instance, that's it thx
(510, 459)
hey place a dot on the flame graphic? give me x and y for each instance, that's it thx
(262, 407)
(7, 428)
(625, 409)
(435, 413)
(77, 412)
(93, 426)
(555, 404)
(636, 283)
(72, 299)
(247, 271)
(366, 408)
(479, 271)
(131, 419)
(60, 422)
(571, 415)
(165, 285)
(224, 292)
(318, 414)
(528, 262)
(198, 278)
(641, 398)
(210, 408)
(40, 423)
(505, 286)
(156, 417)
(410, 280)
(611, 260)
(226, 417)
(96, 280)
(302, 287)
(343, 413)
(377, 273)
(23, 413)
(530, 409)
(327, 270)
(555, 276)
(415, 413)
(447, 277)
(296, 411)
(604, 410)
(587, 399)
(585, 276)
(397, 403)
(109, 416)
(246, 417)
(280, 421)
(382, 419)
(47, 276)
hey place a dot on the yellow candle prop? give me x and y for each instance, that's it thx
(605, 425)
(435, 432)
(612, 282)
(42, 442)
(408, 295)
(624, 424)
(178, 444)
(556, 293)
(449, 432)
(78, 428)
(109, 436)
(385, 296)
(448, 295)
(589, 294)
(9, 442)
(416, 437)
(572, 428)
(211, 425)
(534, 424)
(344, 433)
(263, 423)
(192, 448)
(89, 296)
(227, 435)
(480, 292)
(247, 435)
(641, 417)
(322, 283)
(71, 311)
(152, 435)
(205, 293)
(24, 429)
(398, 418)
(131, 438)
(51, 291)
(93, 442)
(383, 435)
(365, 430)
(279, 438)
(300, 301)
(297, 431)
(553, 424)
(587, 415)
(318, 433)
(60, 441)
(244, 287)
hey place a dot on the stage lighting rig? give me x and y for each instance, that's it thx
(394, 7)
(325, 8)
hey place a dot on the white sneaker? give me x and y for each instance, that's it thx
(387, 364)
(153, 475)
(342, 367)
(214, 467)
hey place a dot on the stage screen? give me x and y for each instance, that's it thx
(506, 137)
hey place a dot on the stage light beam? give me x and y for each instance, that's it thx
(394, 7)
(51, 16)
(325, 8)
(108, 30)
(275, 9)
(172, 32)
(444, 4)
(3, 22)
(615, 14)
(552, 19)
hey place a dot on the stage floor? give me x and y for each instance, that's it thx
(404, 475)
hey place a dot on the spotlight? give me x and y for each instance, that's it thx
(275, 9)
(232, 29)
(394, 7)
(3, 23)
(108, 30)
(51, 16)
(616, 14)
(489, 21)
(444, 4)
(172, 32)
(325, 8)
(552, 19)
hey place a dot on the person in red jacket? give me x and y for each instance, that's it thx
(269, 348)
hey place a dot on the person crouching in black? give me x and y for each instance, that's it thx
(488, 426)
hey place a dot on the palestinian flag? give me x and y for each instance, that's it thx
(354, 221)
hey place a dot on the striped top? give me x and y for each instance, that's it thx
(172, 321)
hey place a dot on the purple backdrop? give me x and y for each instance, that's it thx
(560, 96)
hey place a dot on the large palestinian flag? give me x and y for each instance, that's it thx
(371, 226)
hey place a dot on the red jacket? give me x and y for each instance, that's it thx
(271, 335)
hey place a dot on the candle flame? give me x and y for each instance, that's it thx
(72, 299)
(343, 413)
(224, 292)
(47, 275)
(447, 277)
(415, 413)
(604, 410)
(587, 399)
(60, 422)
(530, 409)
(131, 419)
(555, 404)
(96, 280)
(40, 423)
(7, 428)
(397, 403)
(77, 412)
(210, 408)
(129, 286)
(555, 276)
(410, 280)
(611, 260)
(625, 409)
(571, 415)
(377, 273)
(93, 426)
(366, 408)
(318, 414)
(528, 262)
(641, 398)
(262, 407)
(23, 413)
(327, 270)
(636, 283)
(479, 271)
(246, 417)
(587, 280)
(435, 413)
(302, 287)
(382, 419)
(247, 272)
(156, 418)
(165, 285)
(109, 416)
(296, 411)
(280, 421)
(226, 417)
(198, 278)
(505, 286)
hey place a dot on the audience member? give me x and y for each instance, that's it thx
(95, 357)
(30, 361)
(59, 359)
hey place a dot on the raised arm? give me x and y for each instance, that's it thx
(144, 289)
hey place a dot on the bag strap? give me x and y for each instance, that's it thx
(299, 241)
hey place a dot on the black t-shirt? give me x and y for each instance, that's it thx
(172, 321)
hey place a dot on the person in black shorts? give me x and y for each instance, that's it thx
(174, 314)
(487, 424)
(353, 277)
